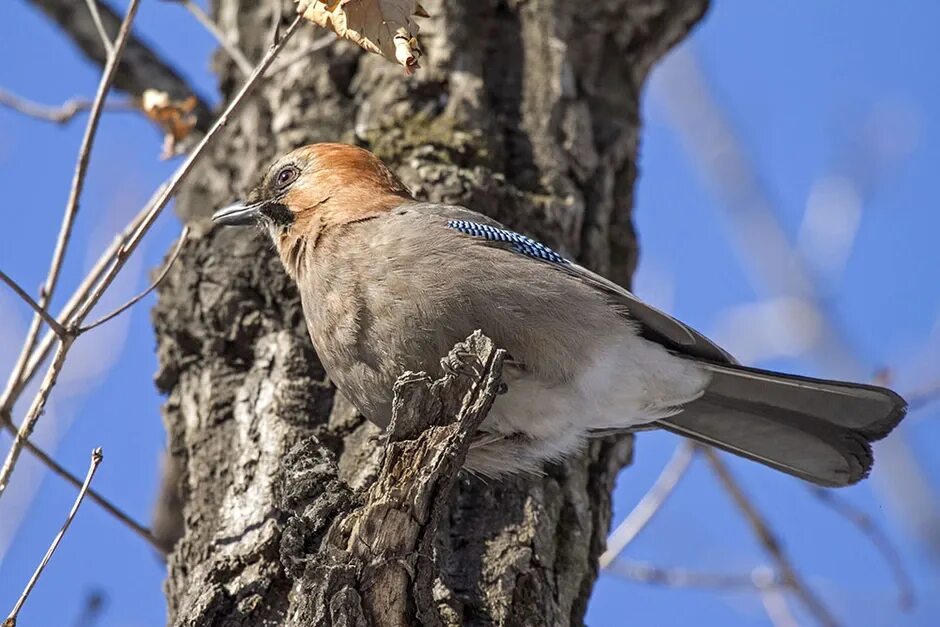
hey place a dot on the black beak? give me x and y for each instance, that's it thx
(238, 214)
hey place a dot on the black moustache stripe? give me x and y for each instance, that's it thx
(278, 213)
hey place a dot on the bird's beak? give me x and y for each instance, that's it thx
(238, 214)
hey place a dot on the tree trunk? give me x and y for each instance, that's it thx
(524, 110)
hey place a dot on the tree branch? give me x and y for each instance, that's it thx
(315, 46)
(230, 48)
(28, 363)
(58, 255)
(651, 502)
(679, 577)
(773, 598)
(96, 458)
(878, 538)
(95, 496)
(140, 68)
(36, 307)
(923, 396)
(144, 221)
(768, 539)
(99, 26)
(60, 114)
(133, 301)
(389, 539)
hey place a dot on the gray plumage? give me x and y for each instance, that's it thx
(386, 291)
(396, 292)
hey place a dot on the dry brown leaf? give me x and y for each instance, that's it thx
(175, 117)
(384, 27)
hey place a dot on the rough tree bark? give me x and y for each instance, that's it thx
(526, 110)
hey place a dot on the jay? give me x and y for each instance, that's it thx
(390, 284)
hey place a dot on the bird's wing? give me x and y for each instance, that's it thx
(653, 324)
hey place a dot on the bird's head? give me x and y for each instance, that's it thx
(313, 188)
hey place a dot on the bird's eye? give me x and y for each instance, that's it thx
(286, 175)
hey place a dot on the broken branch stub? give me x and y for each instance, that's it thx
(386, 536)
(427, 443)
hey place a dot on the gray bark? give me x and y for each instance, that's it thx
(527, 111)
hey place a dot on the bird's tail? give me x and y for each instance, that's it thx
(814, 429)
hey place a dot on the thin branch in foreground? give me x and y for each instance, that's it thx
(96, 457)
(62, 242)
(166, 270)
(773, 597)
(679, 577)
(28, 364)
(95, 496)
(32, 416)
(315, 46)
(99, 26)
(153, 208)
(924, 396)
(41, 311)
(84, 153)
(762, 579)
(144, 220)
(276, 18)
(141, 68)
(62, 113)
(651, 502)
(233, 51)
(878, 538)
(768, 539)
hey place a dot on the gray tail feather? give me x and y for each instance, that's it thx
(814, 429)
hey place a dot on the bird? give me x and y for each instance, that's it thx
(390, 284)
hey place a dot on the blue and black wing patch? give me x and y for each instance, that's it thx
(519, 243)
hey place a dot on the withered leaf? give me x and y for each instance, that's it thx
(175, 117)
(385, 27)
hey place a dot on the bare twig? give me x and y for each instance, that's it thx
(768, 539)
(45, 315)
(679, 577)
(78, 179)
(775, 265)
(773, 596)
(35, 410)
(651, 502)
(28, 364)
(99, 26)
(771, 262)
(276, 18)
(144, 221)
(84, 155)
(923, 396)
(167, 191)
(140, 69)
(230, 48)
(95, 496)
(878, 538)
(166, 270)
(96, 457)
(300, 55)
(62, 113)
(65, 232)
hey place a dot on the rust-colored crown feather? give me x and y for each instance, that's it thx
(338, 183)
(335, 184)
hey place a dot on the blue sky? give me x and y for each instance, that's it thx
(815, 92)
